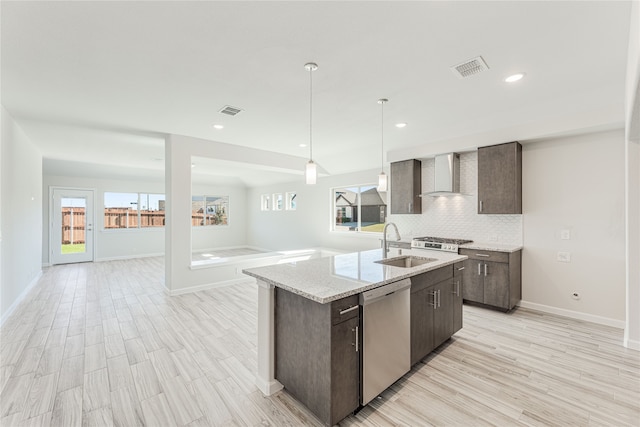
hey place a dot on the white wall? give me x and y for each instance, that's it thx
(577, 184)
(20, 217)
(309, 225)
(632, 104)
(109, 244)
(234, 234)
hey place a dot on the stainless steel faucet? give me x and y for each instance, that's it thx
(385, 248)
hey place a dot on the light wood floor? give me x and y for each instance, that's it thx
(101, 344)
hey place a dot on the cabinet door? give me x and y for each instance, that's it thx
(443, 312)
(421, 324)
(496, 284)
(345, 369)
(500, 179)
(406, 186)
(456, 308)
(472, 283)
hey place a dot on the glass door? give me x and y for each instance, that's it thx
(71, 226)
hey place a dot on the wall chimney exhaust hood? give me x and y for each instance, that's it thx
(447, 175)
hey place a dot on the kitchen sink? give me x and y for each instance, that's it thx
(406, 261)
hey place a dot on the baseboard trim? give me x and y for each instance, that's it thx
(632, 344)
(126, 257)
(620, 324)
(20, 298)
(206, 286)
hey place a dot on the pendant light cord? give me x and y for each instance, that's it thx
(382, 136)
(310, 113)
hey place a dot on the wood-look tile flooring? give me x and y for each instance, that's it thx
(100, 344)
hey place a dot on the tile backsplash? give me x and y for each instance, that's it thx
(457, 216)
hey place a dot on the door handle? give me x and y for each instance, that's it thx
(357, 339)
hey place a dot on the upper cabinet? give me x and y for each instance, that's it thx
(500, 179)
(406, 186)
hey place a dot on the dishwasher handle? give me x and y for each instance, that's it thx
(376, 294)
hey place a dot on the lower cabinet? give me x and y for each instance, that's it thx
(317, 358)
(458, 286)
(492, 278)
(436, 310)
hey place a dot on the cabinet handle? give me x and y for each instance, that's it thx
(479, 267)
(346, 310)
(457, 291)
(357, 338)
(435, 300)
(480, 205)
(439, 295)
(485, 269)
(483, 255)
(461, 268)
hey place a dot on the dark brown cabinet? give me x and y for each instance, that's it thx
(492, 278)
(318, 358)
(406, 186)
(458, 269)
(500, 179)
(436, 311)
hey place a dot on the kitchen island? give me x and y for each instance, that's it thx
(310, 327)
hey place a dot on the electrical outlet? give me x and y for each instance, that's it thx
(565, 234)
(564, 256)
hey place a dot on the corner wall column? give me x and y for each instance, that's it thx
(265, 379)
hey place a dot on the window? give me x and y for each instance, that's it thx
(133, 210)
(209, 210)
(277, 202)
(359, 208)
(291, 202)
(265, 202)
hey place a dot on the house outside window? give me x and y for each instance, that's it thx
(359, 209)
(209, 210)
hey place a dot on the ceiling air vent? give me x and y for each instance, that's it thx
(470, 67)
(230, 111)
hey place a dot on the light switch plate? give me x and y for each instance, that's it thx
(564, 256)
(565, 234)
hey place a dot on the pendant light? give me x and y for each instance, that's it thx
(311, 172)
(382, 178)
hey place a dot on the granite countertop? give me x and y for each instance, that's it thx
(334, 277)
(492, 246)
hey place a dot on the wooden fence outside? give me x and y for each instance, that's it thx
(73, 221)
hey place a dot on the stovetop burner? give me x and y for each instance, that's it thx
(442, 240)
(438, 243)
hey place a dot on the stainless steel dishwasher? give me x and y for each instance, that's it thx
(386, 346)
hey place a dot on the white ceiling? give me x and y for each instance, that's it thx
(103, 82)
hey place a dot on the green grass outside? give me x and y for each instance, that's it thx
(73, 249)
(374, 228)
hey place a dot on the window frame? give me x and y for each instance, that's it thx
(138, 203)
(358, 231)
(205, 209)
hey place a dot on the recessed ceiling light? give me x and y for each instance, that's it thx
(218, 127)
(302, 145)
(514, 77)
(401, 125)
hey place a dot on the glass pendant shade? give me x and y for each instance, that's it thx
(311, 173)
(382, 181)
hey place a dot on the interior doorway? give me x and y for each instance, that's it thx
(72, 220)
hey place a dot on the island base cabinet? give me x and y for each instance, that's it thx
(456, 292)
(436, 310)
(316, 353)
(421, 324)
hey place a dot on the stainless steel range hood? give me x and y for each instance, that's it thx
(447, 175)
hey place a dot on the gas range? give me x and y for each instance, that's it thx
(438, 243)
